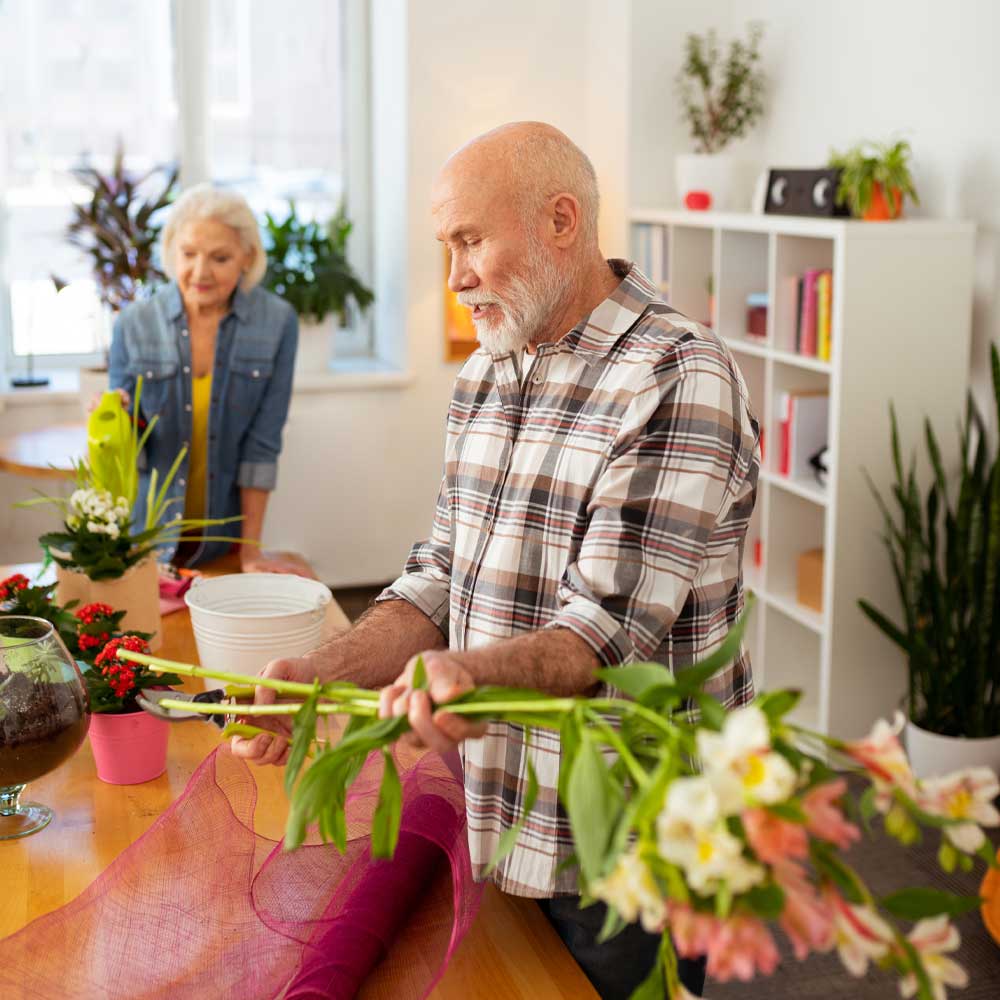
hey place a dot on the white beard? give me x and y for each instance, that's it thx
(524, 305)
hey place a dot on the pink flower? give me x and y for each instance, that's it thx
(772, 838)
(807, 918)
(931, 938)
(824, 817)
(885, 760)
(738, 947)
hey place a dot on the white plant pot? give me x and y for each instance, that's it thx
(931, 754)
(706, 181)
(317, 342)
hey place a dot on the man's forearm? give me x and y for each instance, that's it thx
(555, 660)
(376, 649)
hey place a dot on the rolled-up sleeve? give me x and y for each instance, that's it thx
(669, 479)
(426, 578)
(258, 466)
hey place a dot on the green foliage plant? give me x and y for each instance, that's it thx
(870, 163)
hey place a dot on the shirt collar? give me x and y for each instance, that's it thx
(595, 335)
(240, 305)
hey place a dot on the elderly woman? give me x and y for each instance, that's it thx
(215, 353)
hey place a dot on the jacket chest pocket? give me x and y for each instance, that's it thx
(249, 378)
(158, 380)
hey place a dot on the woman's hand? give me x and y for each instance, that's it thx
(438, 730)
(255, 560)
(96, 399)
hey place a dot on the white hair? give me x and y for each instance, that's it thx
(203, 201)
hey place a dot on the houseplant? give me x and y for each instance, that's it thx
(874, 179)
(722, 99)
(704, 858)
(100, 554)
(944, 544)
(307, 266)
(117, 228)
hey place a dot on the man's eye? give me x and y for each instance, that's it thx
(472, 242)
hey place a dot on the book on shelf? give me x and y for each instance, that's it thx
(823, 310)
(649, 252)
(803, 422)
(813, 309)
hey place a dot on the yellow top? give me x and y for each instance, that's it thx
(201, 397)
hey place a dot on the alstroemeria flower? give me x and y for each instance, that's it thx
(808, 917)
(860, 934)
(825, 818)
(931, 938)
(772, 838)
(741, 765)
(690, 832)
(632, 891)
(741, 947)
(966, 795)
(885, 760)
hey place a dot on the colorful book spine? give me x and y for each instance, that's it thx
(808, 339)
(798, 314)
(824, 295)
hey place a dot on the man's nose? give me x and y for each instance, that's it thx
(461, 276)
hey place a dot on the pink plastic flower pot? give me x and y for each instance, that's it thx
(128, 749)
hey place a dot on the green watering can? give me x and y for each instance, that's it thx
(109, 432)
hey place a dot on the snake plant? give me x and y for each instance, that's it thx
(945, 552)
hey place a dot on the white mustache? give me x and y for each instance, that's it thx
(469, 300)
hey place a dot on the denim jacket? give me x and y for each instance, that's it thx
(251, 387)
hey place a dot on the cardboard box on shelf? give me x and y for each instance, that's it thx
(810, 579)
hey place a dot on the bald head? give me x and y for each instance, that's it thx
(528, 165)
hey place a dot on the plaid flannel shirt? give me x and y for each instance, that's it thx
(610, 497)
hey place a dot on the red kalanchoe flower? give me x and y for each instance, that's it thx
(10, 586)
(120, 674)
(90, 613)
(92, 641)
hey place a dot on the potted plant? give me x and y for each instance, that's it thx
(945, 552)
(874, 179)
(100, 554)
(308, 267)
(722, 99)
(117, 228)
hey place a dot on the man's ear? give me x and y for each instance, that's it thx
(564, 216)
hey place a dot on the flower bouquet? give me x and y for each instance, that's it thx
(706, 827)
(101, 554)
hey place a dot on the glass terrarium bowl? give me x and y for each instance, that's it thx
(44, 714)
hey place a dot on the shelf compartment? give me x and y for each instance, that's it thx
(743, 269)
(691, 256)
(795, 525)
(791, 659)
(787, 378)
(807, 489)
(793, 256)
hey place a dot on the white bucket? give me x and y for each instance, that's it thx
(243, 621)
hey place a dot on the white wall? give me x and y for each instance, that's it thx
(839, 73)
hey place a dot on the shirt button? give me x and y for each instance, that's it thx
(187, 370)
(187, 444)
(187, 406)
(184, 333)
(149, 374)
(182, 482)
(256, 373)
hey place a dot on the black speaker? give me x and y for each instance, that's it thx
(804, 192)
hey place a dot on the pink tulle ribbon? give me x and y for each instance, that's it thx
(202, 906)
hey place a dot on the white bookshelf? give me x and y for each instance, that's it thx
(901, 326)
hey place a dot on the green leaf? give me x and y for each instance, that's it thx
(637, 678)
(654, 986)
(388, 812)
(713, 714)
(303, 734)
(613, 925)
(918, 903)
(767, 901)
(776, 704)
(790, 811)
(245, 730)
(593, 804)
(692, 678)
(419, 675)
(509, 837)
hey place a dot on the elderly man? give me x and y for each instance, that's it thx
(600, 471)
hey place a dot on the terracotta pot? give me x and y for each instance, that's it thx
(878, 210)
(932, 754)
(137, 592)
(128, 749)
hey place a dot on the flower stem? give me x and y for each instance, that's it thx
(279, 708)
(639, 776)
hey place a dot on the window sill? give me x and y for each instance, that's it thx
(63, 387)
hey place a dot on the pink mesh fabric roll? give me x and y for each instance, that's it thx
(201, 906)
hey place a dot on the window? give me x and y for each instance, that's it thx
(247, 93)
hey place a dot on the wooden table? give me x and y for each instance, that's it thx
(48, 453)
(511, 952)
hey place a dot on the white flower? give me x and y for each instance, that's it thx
(860, 934)
(95, 527)
(113, 530)
(740, 764)
(967, 795)
(633, 892)
(931, 938)
(692, 833)
(883, 757)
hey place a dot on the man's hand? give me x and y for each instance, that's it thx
(438, 730)
(273, 749)
(96, 399)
